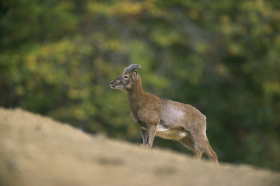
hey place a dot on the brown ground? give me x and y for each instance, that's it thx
(36, 150)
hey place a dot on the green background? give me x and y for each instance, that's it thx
(58, 57)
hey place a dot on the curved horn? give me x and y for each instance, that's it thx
(132, 67)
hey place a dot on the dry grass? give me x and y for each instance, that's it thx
(36, 150)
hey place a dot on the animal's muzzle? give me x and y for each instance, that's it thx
(112, 84)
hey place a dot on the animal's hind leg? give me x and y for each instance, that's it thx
(201, 141)
(187, 142)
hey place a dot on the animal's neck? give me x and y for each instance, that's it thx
(135, 95)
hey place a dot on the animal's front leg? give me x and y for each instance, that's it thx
(144, 136)
(151, 135)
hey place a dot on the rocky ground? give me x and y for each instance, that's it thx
(36, 150)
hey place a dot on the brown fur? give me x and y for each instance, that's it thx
(165, 118)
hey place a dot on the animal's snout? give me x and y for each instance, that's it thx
(112, 84)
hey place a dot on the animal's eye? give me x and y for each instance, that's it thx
(125, 77)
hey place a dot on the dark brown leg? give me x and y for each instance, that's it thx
(187, 142)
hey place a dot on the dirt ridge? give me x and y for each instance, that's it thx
(36, 150)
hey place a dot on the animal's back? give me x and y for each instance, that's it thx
(178, 114)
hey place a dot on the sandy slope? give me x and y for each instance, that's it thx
(36, 150)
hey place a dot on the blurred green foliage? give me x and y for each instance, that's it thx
(58, 57)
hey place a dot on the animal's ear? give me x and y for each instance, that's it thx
(134, 76)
